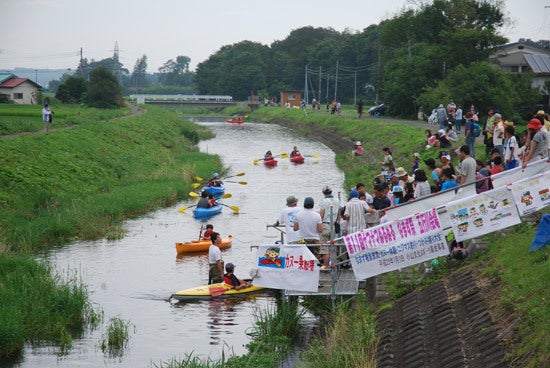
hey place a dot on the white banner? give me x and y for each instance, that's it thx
(287, 267)
(483, 213)
(532, 194)
(397, 244)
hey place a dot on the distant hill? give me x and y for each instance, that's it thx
(40, 76)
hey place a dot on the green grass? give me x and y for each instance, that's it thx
(28, 118)
(36, 306)
(348, 342)
(116, 338)
(525, 278)
(83, 182)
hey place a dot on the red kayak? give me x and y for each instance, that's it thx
(235, 121)
(270, 163)
(298, 159)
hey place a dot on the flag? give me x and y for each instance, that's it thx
(287, 267)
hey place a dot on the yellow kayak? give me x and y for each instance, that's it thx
(214, 290)
(201, 245)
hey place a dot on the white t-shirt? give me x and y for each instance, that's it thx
(214, 254)
(308, 220)
(498, 134)
(422, 189)
(287, 218)
(508, 145)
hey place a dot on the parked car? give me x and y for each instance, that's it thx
(377, 110)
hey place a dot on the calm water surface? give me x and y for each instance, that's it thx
(133, 278)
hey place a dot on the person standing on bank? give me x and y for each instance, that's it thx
(287, 217)
(310, 225)
(328, 209)
(47, 116)
(215, 262)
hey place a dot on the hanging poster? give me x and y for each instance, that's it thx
(287, 267)
(396, 244)
(483, 213)
(532, 194)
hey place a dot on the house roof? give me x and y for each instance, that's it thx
(539, 63)
(5, 76)
(14, 82)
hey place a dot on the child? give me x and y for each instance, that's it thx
(230, 279)
(208, 232)
(212, 201)
(448, 179)
(397, 192)
(416, 157)
(388, 160)
(510, 148)
(497, 165)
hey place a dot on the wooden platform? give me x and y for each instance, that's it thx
(343, 280)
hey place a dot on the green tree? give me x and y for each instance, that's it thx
(485, 86)
(234, 70)
(139, 75)
(72, 90)
(450, 33)
(104, 90)
(176, 72)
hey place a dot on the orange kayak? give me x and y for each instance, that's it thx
(201, 245)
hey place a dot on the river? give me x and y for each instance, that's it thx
(133, 278)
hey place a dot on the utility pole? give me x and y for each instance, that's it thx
(336, 82)
(355, 88)
(81, 64)
(328, 78)
(319, 88)
(305, 88)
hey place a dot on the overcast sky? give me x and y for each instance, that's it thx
(50, 33)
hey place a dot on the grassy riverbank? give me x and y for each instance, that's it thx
(520, 305)
(79, 183)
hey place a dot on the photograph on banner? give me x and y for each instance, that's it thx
(287, 267)
(483, 213)
(396, 244)
(532, 194)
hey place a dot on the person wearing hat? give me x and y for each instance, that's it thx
(215, 181)
(445, 159)
(229, 278)
(358, 149)
(544, 118)
(215, 262)
(47, 116)
(442, 140)
(328, 209)
(442, 116)
(287, 218)
(403, 177)
(397, 192)
(309, 224)
(538, 143)
(355, 212)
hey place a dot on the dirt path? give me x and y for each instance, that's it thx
(134, 111)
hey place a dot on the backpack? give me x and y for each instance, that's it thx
(477, 129)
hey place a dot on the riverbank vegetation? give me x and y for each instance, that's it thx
(80, 183)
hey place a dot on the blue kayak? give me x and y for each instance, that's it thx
(204, 213)
(217, 192)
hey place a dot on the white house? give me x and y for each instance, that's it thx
(18, 90)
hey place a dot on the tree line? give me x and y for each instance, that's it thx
(421, 57)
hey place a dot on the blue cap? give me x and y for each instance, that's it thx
(215, 174)
(354, 194)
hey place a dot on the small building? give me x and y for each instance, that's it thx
(294, 97)
(18, 90)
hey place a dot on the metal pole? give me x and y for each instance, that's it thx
(336, 82)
